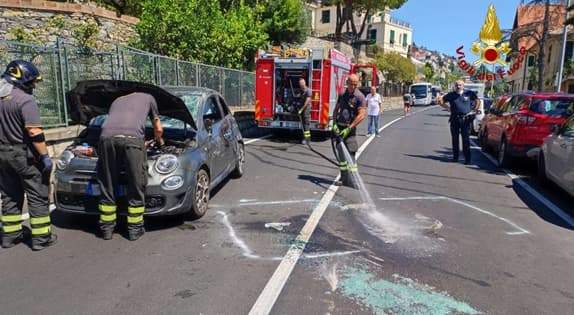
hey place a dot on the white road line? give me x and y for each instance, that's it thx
(257, 139)
(545, 201)
(460, 202)
(275, 285)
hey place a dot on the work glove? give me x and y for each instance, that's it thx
(335, 129)
(46, 163)
(345, 133)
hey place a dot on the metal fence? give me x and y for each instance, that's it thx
(390, 89)
(62, 66)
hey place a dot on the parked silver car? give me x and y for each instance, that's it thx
(203, 146)
(556, 158)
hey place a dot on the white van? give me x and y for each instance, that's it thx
(422, 93)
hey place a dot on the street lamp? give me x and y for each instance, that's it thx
(564, 40)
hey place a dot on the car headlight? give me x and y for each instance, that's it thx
(172, 182)
(166, 164)
(64, 160)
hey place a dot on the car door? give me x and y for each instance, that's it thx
(227, 137)
(496, 124)
(213, 124)
(563, 153)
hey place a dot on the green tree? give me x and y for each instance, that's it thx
(429, 71)
(347, 9)
(286, 21)
(200, 31)
(395, 67)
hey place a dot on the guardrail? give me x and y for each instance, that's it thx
(62, 66)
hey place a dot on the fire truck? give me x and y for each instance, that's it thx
(277, 92)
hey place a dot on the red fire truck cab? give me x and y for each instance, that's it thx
(277, 92)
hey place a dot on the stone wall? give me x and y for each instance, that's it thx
(42, 22)
(314, 42)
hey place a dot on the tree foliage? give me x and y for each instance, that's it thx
(199, 30)
(395, 67)
(286, 21)
(429, 72)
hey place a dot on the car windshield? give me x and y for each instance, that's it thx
(556, 107)
(192, 102)
(419, 89)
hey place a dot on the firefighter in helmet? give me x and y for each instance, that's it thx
(25, 165)
(349, 112)
(305, 110)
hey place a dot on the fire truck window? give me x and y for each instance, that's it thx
(211, 110)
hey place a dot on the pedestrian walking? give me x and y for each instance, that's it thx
(349, 112)
(460, 103)
(122, 147)
(374, 101)
(25, 165)
(305, 110)
(407, 103)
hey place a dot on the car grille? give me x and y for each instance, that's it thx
(90, 203)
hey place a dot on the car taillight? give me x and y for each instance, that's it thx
(525, 119)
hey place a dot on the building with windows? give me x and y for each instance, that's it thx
(386, 32)
(526, 32)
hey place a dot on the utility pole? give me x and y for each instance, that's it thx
(564, 41)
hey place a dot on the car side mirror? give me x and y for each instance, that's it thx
(208, 124)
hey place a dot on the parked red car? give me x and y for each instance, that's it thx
(517, 124)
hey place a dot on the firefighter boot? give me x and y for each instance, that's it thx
(42, 242)
(12, 239)
(12, 233)
(135, 223)
(107, 220)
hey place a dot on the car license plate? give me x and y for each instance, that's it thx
(93, 189)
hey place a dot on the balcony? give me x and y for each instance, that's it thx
(398, 22)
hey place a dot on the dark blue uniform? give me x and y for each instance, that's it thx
(460, 105)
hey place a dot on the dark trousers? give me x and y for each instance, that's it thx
(305, 122)
(460, 126)
(346, 166)
(20, 174)
(117, 154)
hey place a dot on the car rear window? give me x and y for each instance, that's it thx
(554, 107)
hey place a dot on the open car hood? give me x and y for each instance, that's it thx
(94, 97)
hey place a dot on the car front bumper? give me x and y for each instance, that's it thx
(84, 197)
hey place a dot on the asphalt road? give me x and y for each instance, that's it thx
(444, 238)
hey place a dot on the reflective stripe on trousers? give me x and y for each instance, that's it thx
(135, 215)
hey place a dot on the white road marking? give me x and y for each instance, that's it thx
(514, 225)
(275, 285)
(549, 204)
(247, 252)
(257, 139)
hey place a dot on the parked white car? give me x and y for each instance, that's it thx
(556, 159)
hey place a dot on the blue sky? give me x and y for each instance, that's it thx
(445, 25)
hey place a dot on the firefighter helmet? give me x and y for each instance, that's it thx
(22, 74)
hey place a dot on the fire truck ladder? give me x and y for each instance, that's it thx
(316, 87)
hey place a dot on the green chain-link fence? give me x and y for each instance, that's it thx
(62, 66)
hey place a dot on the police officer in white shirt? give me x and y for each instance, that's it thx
(374, 101)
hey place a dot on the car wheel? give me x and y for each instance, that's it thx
(503, 157)
(542, 177)
(200, 195)
(239, 167)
